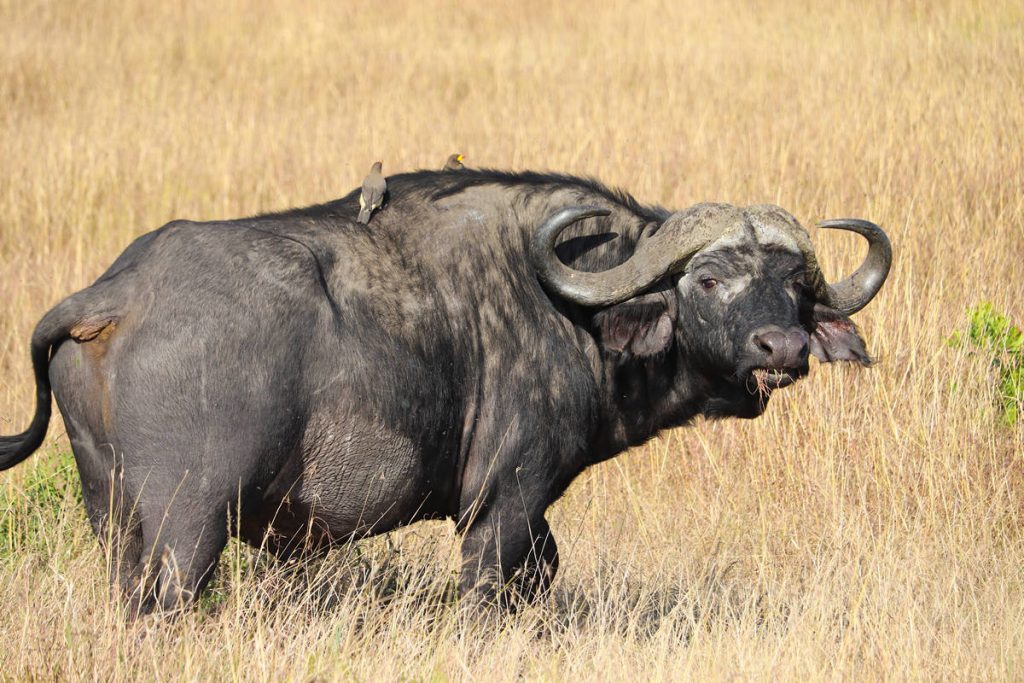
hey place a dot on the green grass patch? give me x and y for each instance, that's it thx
(32, 504)
(993, 334)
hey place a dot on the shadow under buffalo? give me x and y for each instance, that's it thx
(368, 585)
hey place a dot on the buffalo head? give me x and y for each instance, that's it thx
(736, 291)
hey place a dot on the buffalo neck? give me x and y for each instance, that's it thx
(638, 397)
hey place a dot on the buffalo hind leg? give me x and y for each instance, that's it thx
(180, 553)
(507, 558)
(119, 532)
(122, 541)
(110, 507)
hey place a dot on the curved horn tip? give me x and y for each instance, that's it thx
(830, 222)
(584, 288)
(872, 231)
(856, 291)
(858, 225)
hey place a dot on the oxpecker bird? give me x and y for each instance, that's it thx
(372, 196)
(454, 163)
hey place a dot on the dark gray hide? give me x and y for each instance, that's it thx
(330, 380)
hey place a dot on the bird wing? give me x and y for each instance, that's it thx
(378, 187)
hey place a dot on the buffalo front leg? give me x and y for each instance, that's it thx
(534, 576)
(508, 557)
(513, 472)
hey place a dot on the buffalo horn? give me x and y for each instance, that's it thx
(853, 293)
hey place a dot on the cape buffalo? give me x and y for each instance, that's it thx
(300, 379)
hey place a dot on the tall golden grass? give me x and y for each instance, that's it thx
(869, 526)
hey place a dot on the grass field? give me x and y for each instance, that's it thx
(869, 526)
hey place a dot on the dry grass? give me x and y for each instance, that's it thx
(869, 526)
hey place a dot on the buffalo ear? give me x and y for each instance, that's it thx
(641, 327)
(835, 337)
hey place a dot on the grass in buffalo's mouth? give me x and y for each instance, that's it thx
(764, 380)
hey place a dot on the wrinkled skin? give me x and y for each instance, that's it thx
(300, 380)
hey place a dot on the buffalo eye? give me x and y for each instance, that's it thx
(708, 282)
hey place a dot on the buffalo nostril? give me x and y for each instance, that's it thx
(772, 343)
(799, 345)
(781, 348)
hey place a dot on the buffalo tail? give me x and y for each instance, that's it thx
(56, 326)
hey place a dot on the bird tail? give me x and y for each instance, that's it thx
(364, 214)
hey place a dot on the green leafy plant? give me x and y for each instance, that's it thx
(995, 335)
